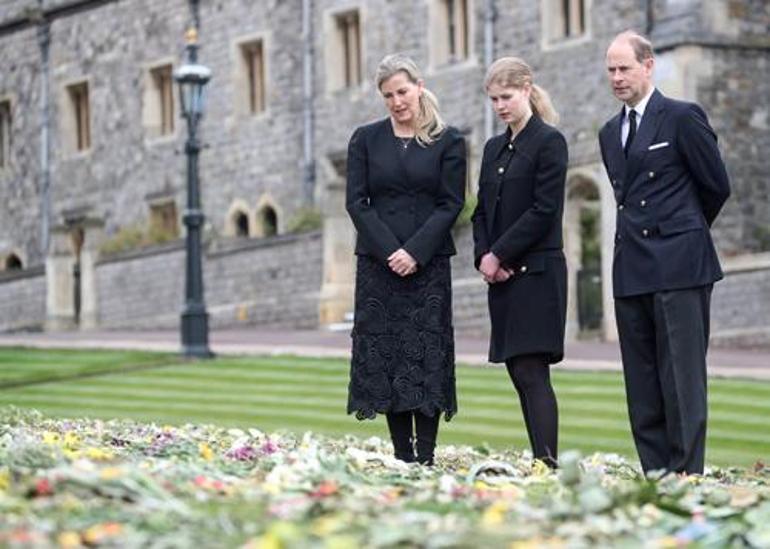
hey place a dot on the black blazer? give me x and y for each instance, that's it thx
(669, 191)
(408, 199)
(521, 194)
(519, 218)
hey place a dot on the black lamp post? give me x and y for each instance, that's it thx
(192, 78)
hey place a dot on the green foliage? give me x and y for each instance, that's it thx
(464, 219)
(589, 236)
(762, 234)
(305, 220)
(135, 237)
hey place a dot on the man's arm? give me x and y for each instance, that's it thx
(697, 142)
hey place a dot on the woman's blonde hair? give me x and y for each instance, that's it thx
(514, 72)
(429, 124)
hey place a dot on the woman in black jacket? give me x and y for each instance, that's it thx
(405, 187)
(517, 230)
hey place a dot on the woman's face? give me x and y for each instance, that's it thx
(510, 104)
(402, 98)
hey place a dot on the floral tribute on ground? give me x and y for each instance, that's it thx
(92, 483)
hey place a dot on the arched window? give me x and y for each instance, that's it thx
(13, 263)
(238, 220)
(268, 220)
(241, 223)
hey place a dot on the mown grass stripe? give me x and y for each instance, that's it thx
(494, 395)
(595, 404)
(257, 403)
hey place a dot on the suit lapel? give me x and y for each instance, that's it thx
(648, 129)
(614, 146)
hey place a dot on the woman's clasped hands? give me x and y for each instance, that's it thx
(402, 263)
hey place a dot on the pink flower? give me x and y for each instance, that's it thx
(243, 453)
(269, 447)
(43, 487)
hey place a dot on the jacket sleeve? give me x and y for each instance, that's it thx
(448, 202)
(697, 143)
(375, 236)
(479, 218)
(535, 223)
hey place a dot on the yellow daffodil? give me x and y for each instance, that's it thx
(100, 532)
(99, 454)
(205, 451)
(72, 455)
(51, 438)
(495, 513)
(109, 473)
(268, 541)
(540, 469)
(68, 540)
(5, 479)
(71, 441)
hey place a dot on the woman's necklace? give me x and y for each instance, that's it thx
(404, 141)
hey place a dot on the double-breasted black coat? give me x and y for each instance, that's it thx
(669, 191)
(519, 219)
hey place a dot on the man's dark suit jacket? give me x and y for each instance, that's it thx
(404, 199)
(668, 191)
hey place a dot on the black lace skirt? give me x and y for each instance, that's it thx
(403, 341)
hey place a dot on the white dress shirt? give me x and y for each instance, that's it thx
(639, 108)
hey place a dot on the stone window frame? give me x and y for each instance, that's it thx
(341, 74)
(6, 131)
(443, 33)
(556, 31)
(13, 253)
(164, 215)
(237, 208)
(244, 91)
(77, 117)
(266, 202)
(155, 101)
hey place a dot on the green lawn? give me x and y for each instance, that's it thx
(299, 394)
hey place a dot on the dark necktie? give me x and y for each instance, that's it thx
(631, 131)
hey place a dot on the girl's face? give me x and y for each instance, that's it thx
(402, 98)
(510, 104)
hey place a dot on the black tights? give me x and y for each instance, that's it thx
(404, 426)
(531, 376)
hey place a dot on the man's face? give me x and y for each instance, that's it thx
(630, 80)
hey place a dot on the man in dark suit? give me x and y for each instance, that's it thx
(669, 181)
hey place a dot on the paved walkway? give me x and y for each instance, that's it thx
(264, 341)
